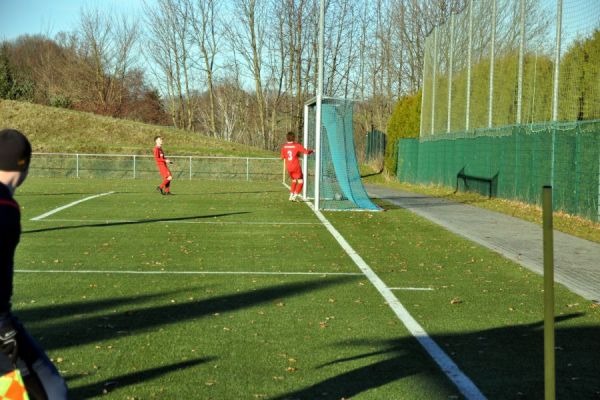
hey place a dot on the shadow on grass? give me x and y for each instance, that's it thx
(91, 329)
(118, 382)
(504, 363)
(136, 222)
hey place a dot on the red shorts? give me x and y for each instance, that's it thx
(164, 171)
(296, 174)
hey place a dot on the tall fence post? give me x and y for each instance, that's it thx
(134, 166)
(492, 61)
(190, 168)
(451, 63)
(77, 165)
(434, 78)
(521, 63)
(559, 7)
(247, 169)
(469, 51)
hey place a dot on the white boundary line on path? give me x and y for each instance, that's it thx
(39, 217)
(175, 221)
(90, 271)
(452, 371)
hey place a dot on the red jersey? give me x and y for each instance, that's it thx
(290, 152)
(159, 157)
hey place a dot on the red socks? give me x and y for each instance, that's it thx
(293, 187)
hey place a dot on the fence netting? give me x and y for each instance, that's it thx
(522, 158)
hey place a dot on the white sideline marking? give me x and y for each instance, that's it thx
(410, 288)
(174, 221)
(462, 382)
(39, 217)
(90, 271)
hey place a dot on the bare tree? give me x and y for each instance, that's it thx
(168, 48)
(107, 42)
(208, 35)
(248, 40)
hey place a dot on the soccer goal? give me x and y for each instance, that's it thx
(332, 178)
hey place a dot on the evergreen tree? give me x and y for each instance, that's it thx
(6, 79)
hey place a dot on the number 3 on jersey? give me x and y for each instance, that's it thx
(290, 155)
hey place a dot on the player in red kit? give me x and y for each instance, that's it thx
(290, 152)
(161, 163)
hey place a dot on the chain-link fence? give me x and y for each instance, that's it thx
(511, 102)
(119, 166)
(505, 62)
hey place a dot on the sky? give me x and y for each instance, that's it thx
(48, 17)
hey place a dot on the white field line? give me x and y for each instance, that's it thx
(174, 221)
(90, 271)
(462, 382)
(39, 217)
(411, 288)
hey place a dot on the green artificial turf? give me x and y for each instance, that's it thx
(226, 290)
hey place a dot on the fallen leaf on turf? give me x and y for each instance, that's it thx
(455, 300)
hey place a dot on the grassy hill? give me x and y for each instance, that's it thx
(53, 129)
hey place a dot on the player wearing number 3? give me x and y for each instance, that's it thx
(290, 152)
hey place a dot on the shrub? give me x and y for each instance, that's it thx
(404, 123)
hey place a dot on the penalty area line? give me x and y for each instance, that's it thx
(447, 365)
(39, 217)
(91, 271)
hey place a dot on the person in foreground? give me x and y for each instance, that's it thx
(17, 348)
(290, 152)
(161, 163)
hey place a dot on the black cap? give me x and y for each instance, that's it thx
(15, 150)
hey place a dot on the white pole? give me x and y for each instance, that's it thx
(433, 80)
(247, 169)
(492, 61)
(77, 166)
(468, 106)
(449, 122)
(190, 168)
(555, 99)
(521, 64)
(134, 166)
(319, 100)
(305, 159)
(557, 60)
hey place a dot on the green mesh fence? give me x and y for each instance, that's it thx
(522, 159)
(144, 167)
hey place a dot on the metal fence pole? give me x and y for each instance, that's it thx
(451, 63)
(134, 166)
(559, 8)
(555, 99)
(492, 61)
(434, 78)
(77, 165)
(247, 169)
(521, 63)
(190, 168)
(468, 105)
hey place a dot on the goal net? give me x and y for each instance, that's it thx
(333, 173)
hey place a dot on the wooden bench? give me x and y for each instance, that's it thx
(491, 181)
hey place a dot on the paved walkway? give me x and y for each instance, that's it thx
(576, 261)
